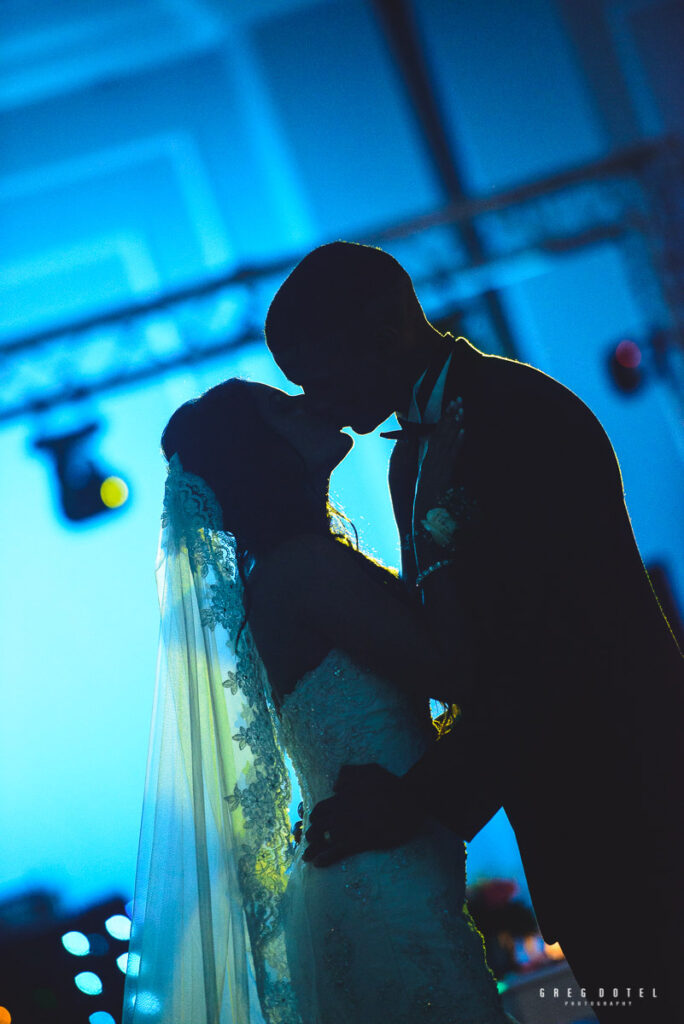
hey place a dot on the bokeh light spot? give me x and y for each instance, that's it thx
(101, 1017)
(122, 962)
(89, 982)
(5, 1015)
(554, 952)
(76, 943)
(114, 491)
(628, 354)
(119, 927)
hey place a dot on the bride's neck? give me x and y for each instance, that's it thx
(312, 518)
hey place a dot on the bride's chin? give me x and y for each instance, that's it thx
(336, 454)
(346, 444)
(343, 446)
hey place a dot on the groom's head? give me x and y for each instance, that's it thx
(345, 326)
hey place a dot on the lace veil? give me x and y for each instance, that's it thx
(207, 945)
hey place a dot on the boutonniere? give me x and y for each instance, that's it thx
(440, 525)
(454, 511)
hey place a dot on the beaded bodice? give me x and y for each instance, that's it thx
(382, 935)
(341, 713)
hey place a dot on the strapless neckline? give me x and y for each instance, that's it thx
(340, 713)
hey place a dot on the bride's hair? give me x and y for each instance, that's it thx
(260, 480)
(258, 477)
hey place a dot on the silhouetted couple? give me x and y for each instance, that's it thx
(522, 600)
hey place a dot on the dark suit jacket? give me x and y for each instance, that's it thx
(576, 722)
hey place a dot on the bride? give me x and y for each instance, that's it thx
(280, 640)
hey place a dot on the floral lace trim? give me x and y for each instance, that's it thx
(190, 506)
(192, 518)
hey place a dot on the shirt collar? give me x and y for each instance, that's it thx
(432, 410)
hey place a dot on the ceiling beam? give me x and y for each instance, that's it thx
(398, 22)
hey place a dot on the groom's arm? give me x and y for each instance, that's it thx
(459, 780)
(456, 782)
(460, 777)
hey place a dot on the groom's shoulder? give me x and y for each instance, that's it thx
(523, 393)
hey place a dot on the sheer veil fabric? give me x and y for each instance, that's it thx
(207, 944)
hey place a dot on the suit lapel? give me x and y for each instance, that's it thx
(403, 465)
(463, 362)
(402, 482)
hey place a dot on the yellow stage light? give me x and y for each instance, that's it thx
(113, 491)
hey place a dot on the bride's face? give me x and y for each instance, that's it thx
(321, 445)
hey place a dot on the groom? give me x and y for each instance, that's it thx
(573, 723)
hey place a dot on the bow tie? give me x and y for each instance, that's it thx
(409, 431)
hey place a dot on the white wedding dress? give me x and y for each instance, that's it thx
(382, 937)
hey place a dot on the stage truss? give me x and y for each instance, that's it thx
(632, 200)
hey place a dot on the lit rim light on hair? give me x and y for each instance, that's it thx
(114, 491)
(119, 927)
(76, 943)
(89, 982)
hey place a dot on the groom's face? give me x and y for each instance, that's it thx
(348, 388)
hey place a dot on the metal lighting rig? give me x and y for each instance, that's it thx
(629, 199)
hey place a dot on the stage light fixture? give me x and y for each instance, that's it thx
(84, 488)
(114, 492)
(625, 364)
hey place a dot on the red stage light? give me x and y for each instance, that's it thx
(626, 365)
(628, 354)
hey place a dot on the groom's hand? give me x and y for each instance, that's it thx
(370, 811)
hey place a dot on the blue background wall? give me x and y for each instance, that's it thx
(149, 143)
